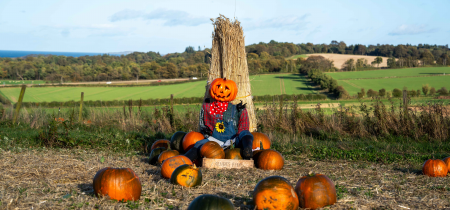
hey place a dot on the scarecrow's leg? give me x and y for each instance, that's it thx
(194, 152)
(245, 142)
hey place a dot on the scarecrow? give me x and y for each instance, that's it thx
(223, 122)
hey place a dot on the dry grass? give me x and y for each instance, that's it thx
(339, 59)
(51, 179)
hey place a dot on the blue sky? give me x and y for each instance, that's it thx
(170, 26)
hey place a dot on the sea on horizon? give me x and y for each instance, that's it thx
(16, 54)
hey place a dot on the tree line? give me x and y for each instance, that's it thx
(269, 57)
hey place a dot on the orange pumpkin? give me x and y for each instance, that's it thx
(234, 153)
(170, 164)
(315, 191)
(259, 138)
(270, 160)
(190, 139)
(275, 192)
(435, 168)
(257, 153)
(118, 183)
(160, 143)
(447, 162)
(186, 175)
(223, 89)
(167, 154)
(212, 150)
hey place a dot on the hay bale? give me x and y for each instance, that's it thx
(229, 60)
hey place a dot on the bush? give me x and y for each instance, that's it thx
(397, 93)
(372, 93)
(382, 92)
(432, 91)
(443, 91)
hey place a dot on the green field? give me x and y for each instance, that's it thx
(297, 56)
(269, 84)
(412, 78)
(20, 82)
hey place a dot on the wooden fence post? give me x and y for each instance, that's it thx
(405, 101)
(19, 103)
(80, 116)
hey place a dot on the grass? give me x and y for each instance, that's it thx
(20, 82)
(297, 56)
(270, 84)
(410, 72)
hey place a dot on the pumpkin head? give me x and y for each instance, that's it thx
(275, 192)
(186, 175)
(212, 150)
(223, 90)
(270, 160)
(259, 138)
(154, 155)
(170, 164)
(447, 162)
(210, 202)
(190, 139)
(176, 142)
(160, 143)
(118, 183)
(435, 168)
(315, 191)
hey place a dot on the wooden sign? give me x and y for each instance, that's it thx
(227, 163)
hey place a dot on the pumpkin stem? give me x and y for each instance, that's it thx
(310, 174)
(261, 145)
(232, 145)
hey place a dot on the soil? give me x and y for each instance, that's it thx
(62, 179)
(339, 59)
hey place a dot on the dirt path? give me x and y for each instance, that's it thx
(50, 179)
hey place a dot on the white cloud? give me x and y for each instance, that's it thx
(412, 30)
(170, 17)
(287, 23)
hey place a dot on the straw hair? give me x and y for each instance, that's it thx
(229, 60)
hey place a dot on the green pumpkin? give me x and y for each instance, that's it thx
(186, 175)
(176, 142)
(210, 202)
(153, 159)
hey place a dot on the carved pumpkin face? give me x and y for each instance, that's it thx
(223, 90)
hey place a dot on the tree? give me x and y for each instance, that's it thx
(391, 62)
(397, 93)
(425, 89)
(377, 61)
(382, 92)
(372, 93)
(443, 91)
(427, 57)
(349, 65)
(432, 91)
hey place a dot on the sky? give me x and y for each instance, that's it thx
(172, 25)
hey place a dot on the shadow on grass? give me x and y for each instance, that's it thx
(87, 188)
(409, 170)
(242, 202)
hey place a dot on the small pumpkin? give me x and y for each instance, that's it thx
(212, 150)
(275, 192)
(167, 154)
(315, 191)
(223, 89)
(210, 202)
(176, 141)
(259, 138)
(435, 168)
(190, 139)
(233, 153)
(160, 143)
(154, 155)
(170, 164)
(270, 160)
(447, 162)
(186, 175)
(120, 184)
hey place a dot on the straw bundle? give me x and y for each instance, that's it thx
(229, 60)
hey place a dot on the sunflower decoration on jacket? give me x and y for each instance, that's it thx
(223, 122)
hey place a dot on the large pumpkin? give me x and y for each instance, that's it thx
(435, 168)
(270, 160)
(447, 162)
(259, 138)
(167, 154)
(256, 153)
(120, 184)
(190, 139)
(212, 150)
(210, 202)
(223, 89)
(315, 191)
(275, 192)
(186, 175)
(160, 143)
(154, 155)
(176, 141)
(170, 164)
(233, 153)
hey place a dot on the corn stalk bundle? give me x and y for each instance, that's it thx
(229, 60)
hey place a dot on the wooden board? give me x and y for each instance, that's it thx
(227, 163)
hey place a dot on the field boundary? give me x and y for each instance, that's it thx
(396, 77)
